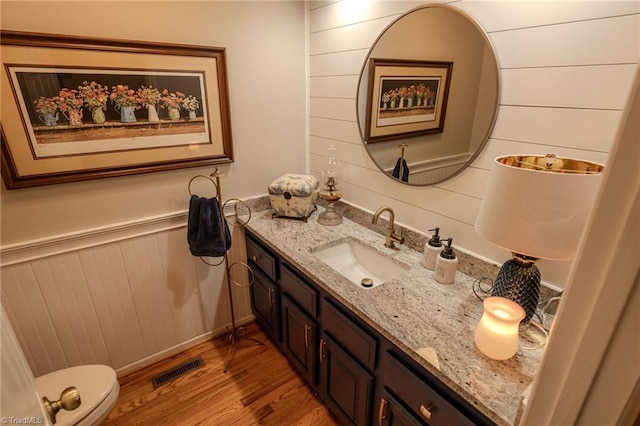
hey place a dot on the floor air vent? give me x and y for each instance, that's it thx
(180, 370)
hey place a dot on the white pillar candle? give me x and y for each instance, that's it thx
(497, 332)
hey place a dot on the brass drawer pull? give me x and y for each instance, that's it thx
(271, 291)
(381, 417)
(306, 336)
(322, 343)
(426, 412)
(255, 258)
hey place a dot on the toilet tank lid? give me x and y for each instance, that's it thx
(94, 383)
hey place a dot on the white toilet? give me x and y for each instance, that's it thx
(98, 388)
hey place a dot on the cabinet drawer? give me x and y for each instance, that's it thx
(349, 335)
(419, 397)
(298, 290)
(261, 258)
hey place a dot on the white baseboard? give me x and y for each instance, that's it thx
(180, 347)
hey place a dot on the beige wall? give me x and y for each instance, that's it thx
(265, 45)
(566, 70)
(100, 271)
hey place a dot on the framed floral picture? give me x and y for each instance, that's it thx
(406, 98)
(77, 108)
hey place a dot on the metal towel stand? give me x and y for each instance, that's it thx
(233, 332)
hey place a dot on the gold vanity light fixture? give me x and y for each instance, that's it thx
(535, 207)
(330, 171)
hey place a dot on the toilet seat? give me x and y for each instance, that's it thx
(98, 387)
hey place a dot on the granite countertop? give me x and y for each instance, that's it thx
(413, 311)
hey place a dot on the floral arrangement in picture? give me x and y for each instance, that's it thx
(149, 97)
(123, 96)
(191, 104)
(173, 102)
(94, 96)
(69, 99)
(406, 96)
(125, 100)
(70, 102)
(47, 110)
(45, 105)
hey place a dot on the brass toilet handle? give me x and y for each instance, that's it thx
(69, 400)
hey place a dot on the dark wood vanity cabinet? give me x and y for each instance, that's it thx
(362, 377)
(300, 339)
(392, 413)
(408, 389)
(345, 386)
(265, 292)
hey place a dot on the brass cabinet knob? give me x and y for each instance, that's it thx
(69, 400)
(426, 412)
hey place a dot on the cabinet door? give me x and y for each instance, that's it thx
(265, 304)
(392, 413)
(345, 386)
(300, 339)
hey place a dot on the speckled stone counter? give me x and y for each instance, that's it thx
(413, 311)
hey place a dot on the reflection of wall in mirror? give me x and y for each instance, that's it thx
(414, 39)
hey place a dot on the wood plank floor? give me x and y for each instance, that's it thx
(260, 388)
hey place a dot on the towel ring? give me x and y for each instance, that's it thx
(213, 264)
(237, 222)
(252, 275)
(204, 177)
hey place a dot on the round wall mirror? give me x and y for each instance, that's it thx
(428, 95)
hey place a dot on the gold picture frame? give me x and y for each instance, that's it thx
(406, 98)
(81, 88)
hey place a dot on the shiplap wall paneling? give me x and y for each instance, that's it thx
(566, 70)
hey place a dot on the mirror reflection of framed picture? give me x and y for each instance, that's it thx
(406, 98)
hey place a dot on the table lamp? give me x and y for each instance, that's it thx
(330, 171)
(535, 207)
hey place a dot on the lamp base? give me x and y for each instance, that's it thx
(330, 217)
(519, 280)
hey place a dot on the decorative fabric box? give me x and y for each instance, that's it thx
(293, 196)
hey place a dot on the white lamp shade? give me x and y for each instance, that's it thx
(497, 333)
(536, 212)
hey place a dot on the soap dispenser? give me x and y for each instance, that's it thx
(432, 249)
(446, 264)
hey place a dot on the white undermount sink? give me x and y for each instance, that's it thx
(357, 261)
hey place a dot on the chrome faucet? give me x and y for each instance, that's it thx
(391, 235)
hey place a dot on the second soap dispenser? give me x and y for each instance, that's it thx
(446, 264)
(431, 250)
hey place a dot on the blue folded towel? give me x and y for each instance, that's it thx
(204, 228)
(405, 170)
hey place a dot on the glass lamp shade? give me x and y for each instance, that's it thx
(331, 168)
(496, 334)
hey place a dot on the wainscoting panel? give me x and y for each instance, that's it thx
(122, 303)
